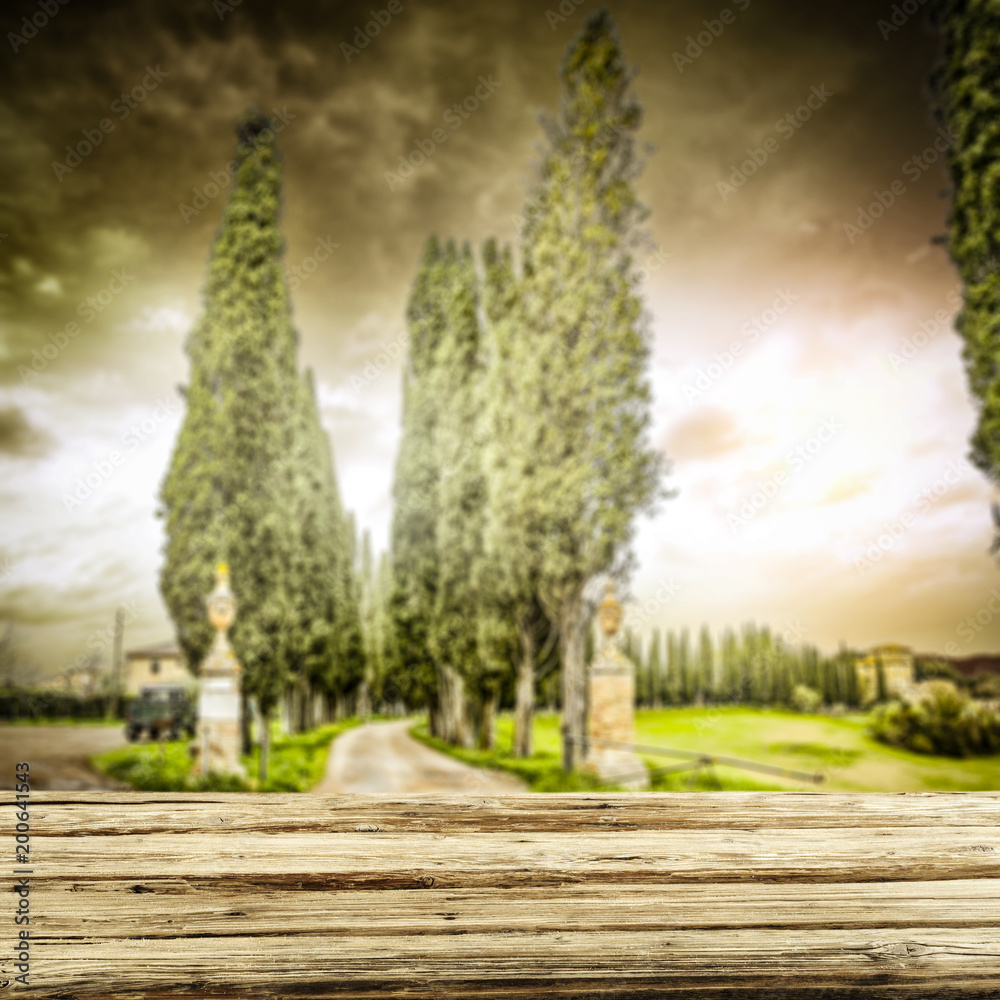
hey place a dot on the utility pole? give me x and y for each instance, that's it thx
(116, 660)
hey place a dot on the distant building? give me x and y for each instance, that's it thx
(160, 663)
(897, 668)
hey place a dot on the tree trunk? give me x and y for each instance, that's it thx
(364, 700)
(245, 735)
(571, 643)
(524, 697)
(451, 695)
(487, 735)
(305, 707)
(435, 717)
(264, 718)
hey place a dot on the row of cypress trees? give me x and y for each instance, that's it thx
(524, 457)
(751, 666)
(251, 481)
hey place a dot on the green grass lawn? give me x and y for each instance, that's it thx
(296, 764)
(838, 747)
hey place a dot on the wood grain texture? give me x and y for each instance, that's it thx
(648, 895)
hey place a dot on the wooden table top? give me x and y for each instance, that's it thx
(728, 894)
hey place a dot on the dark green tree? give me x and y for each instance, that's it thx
(461, 607)
(415, 491)
(251, 480)
(579, 467)
(969, 86)
(706, 665)
(655, 670)
(229, 489)
(509, 572)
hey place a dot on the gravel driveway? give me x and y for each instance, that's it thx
(58, 755)
(383, 757)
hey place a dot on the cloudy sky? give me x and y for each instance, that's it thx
(809, 388)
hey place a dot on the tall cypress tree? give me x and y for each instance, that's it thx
(457, 380)
(706, 664)
(970, 89)
(655, 671)
(511, 566)
(579, 464)
(415, 488)
(228, 492)
(251, 480)
(730, 683)
(327, 587)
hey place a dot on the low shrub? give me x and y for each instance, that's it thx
(806, 699)
(295, 764)
(38, 704)
(986, 686)
(943, 720)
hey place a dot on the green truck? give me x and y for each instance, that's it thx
(161, 710)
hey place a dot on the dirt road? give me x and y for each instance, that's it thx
(383, 757)
(58, 755)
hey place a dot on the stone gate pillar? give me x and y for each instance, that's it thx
(219, 736)
(611, 714)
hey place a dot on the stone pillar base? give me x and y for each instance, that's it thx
(612, 718)
(618, 767)
(218, 749)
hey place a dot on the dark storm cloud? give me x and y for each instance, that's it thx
(18, 436)
(147, 95)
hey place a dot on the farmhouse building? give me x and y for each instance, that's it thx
(897, 668)
(160, 663)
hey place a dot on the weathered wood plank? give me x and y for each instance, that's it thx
(114, 910)
(91, 813)
(672, 895)
(644, 963)
(315, 860)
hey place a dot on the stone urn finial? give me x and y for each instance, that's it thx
(609, 611)
(221, 602)
(219, 723)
